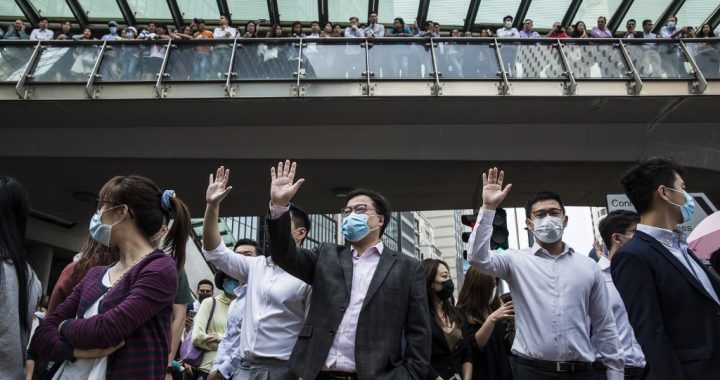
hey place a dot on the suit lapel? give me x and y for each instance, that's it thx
(347, 268)
(387, 260)
(676, 263)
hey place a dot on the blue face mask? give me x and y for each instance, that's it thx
(355, 227)
(687, 208)
(230, 284)
(99, 231)
(113, 29)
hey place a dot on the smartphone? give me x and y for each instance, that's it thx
(505, 297)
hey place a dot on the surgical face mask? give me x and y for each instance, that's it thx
(548, 229)
(113, 29)
(230, 284)
(129, 35)
(355, 227)
(448, 287)
(687, 208)
(99, 231)
(492, 295)
(203, 296)
(508, 24)
(671, 24)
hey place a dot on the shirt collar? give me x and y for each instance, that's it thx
(379, 247)
(240, 290)
(536, 248)
(662, 235)
(604, 263)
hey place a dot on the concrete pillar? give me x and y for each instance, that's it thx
(40, 257)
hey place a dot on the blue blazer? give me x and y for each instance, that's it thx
(676, 321)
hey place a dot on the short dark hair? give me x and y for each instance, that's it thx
(205, 281)
(380, 203)
(632, 20)
(602, 18)
(400, 20)
(220, 277)
(647, 21)
(542, 196)
(354, 18)
(372, 13)
(248, 242)
(41, 19)
(296, 23)
(299, 217)
(643, 179)
(508, 17)
(616, 222)
(314, 22)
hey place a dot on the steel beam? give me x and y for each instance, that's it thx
(619, 15)
(571, 13)
(714, 19)
(274, 12)
(521, 13)
(127, 12)
(79, 13)
(176, 13)
(422, 12)
(323, 15)
(471, 15)
(671, 10)
(30, 13)
(224, 9)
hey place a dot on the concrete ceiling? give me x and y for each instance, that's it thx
(423, 153)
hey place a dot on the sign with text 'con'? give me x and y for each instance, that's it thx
(703, 208)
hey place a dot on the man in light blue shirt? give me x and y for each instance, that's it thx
(558, 294)
(528, 31)
(616, 229)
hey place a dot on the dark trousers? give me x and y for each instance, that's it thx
(526, 372)
(600, 375)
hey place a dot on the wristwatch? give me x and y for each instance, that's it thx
(170, 369)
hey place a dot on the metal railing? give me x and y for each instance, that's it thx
(356, 67)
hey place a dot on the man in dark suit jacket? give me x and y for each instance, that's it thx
(368, 317)
(630, 30)
(671, 298)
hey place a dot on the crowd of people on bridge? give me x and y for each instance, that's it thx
(123, 309)
(269, 60)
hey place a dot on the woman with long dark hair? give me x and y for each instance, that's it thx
(19, 286)
(116, 321)
(450, 353)
(479, 303)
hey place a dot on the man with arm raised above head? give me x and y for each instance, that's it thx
(558, 294)
(368, 300)
(275, 302)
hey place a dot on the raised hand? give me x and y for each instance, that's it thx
(493, 193)
(218, 189)
(282, 188)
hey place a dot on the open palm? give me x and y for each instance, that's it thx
(493, 193)
(217, 188)
(282, 188)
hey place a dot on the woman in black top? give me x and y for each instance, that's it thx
(480, 305)
(451, 355)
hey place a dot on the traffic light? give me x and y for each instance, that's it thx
(500, 234)
(468, 220)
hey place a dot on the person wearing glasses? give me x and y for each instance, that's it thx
(559, 295)
(369, 316)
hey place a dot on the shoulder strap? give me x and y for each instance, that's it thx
(212, 311)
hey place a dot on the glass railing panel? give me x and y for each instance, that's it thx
(199, 61)
(536, 59)
(263, 59)
(466, 59)
(596, 60)
(400, 58)
(14, 58)
(66, 62)
(132, 61)
(707, 57)
(331, 59)
(660, 59)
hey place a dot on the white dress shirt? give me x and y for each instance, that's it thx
(42, 35)
(376, 30)
(556, 300)
(507, 33)
(219, 32)
(678, 247)
(633, 356)
(229, 353)
(274, 305)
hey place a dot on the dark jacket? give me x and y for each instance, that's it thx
(446, 361)
(394, 315)
(492, 360)
(676, 321)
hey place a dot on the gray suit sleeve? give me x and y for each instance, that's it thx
(417, 328)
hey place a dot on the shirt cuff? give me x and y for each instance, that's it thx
(486, 217)
(612, 374)
(226, 369)
(277, 211)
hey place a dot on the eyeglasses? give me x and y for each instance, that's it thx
(554, 212)
(204, 291)
(358, 209)
(99, 204)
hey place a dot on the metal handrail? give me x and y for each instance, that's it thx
(159, 91)
(637, 85)
(504, 88)
(90, 86)
(701, 84)
(571, 85)
(435, 73)
(20, 86)
(230, 74)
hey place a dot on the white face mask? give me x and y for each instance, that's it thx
(492, 295)
(508, 24)
(671, 24)
(548, 229)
